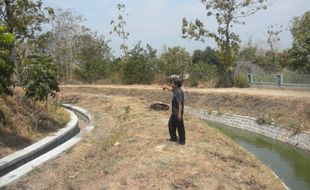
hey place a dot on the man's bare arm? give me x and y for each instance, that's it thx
(167, 88)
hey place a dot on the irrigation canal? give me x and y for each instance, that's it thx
(289, 163)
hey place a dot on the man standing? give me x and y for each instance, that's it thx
(176, 119)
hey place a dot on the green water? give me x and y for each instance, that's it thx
(289, 163)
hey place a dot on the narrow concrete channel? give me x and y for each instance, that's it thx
(21, 162)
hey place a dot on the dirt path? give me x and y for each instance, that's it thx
(288, 93)
(127, 150)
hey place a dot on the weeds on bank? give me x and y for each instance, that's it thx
(265, 119)
(296, 126)
(307, 111)
(118, 133)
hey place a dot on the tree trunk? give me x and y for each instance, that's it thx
(13, 58)
(13, 52)
(46, 106)
(230, 65)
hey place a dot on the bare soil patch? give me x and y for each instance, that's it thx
(128, 150)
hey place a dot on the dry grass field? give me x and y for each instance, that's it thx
(128, 150)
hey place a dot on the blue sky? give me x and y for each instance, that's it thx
(158, 22)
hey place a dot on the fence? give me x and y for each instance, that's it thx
(290, 79)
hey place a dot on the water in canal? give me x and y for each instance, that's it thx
(289, 163)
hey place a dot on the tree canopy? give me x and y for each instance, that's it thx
(227, 14)
(300, 51)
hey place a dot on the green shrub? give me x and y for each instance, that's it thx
(39, 78)
(137, 71)
(241, 81)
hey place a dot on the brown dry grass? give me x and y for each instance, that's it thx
(287, 108)
(128, 150)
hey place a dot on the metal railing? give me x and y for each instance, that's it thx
(290, 79)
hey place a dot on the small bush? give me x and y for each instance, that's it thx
(60, 116)
(241, 81)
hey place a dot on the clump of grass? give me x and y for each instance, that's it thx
(6, 114)
(265, 119)
(118, 133)
(127, 110)
(307, 111)
(58, 113)
(296, 126)
(219, 112)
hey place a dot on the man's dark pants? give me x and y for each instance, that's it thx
(176, 124)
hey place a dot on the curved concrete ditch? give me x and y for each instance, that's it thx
(23, 161)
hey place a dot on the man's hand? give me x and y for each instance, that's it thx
(166, 88)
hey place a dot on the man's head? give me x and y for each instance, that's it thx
(177, 82)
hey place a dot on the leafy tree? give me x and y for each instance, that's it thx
(139, 66)
(300, 52)
(227, 14)
(208, 56)
(92, 56)
(200, 72)
(79, 53)
(23, 18)
(175, 61)
(6, 67)
(249, 52)
(39, 78)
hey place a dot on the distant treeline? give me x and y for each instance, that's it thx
(72, 53)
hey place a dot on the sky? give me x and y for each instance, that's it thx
(159, 22)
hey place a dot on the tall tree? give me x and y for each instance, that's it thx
(23, 18)
(65, 27)
(175, 60)
(272, 38)
(227, 13)
(92, 56)
(300, 51)
(139, 65)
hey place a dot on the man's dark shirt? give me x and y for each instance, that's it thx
(178, 97)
